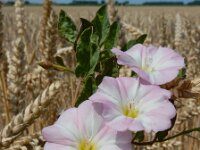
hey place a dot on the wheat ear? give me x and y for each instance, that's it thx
(45, 17)
(26, 117)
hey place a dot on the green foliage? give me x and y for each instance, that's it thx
(88, 89)
(87, 54)
(161, 135)
(93, 50)
(84, 25)
(101, 24)
(112, 38)
(67, 27)
(131, 43)
(93, 44)
(139, 136)
(182, 73)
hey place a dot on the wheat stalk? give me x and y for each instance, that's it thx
(1, 33)
(163, 35)
(45, 17)
(178, 32)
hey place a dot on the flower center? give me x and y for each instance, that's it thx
(147, 65)
(130, 111)
(147, 69)
(85, 145)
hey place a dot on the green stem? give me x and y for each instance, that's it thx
(169, 138)
(62, 68)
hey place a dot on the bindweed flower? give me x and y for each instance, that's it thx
(83, 128)
(154, 65)
(130, 105)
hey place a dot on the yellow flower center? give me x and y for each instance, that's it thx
(147, 69)
(130, 111)
(85, 145)
(146, 66)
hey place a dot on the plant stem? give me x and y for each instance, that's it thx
(169, 138)
(5, 96)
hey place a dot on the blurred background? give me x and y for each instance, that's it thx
(119, 2)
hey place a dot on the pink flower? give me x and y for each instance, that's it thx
(154, 65)
(130, 105)
(83, 129)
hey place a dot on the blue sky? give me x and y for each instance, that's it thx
(131, 1)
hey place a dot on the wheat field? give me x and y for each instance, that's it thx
(32, 98)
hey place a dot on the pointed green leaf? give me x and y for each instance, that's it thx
(84, 25)
(87, 54)
(131, 43)
(112, 39)
(93, 58)
(83, 53)
(101, 24)
(86, 92)
(110, 68)
(67, 27)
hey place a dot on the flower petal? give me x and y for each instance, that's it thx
(120, 123)
(64, 130)
(53, 146)
(58, 135)
(123, 58)
(109, 137)
(90, 122)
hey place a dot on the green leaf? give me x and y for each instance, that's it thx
(182, 73)
(87, 54)
(161, 135)
(84, 25)
(67, 27)
(86, 92)
(101, 24)
(93, 58)
(139, 136)
(83, 53)
(111, 40)
(110, 68)
(131, 43)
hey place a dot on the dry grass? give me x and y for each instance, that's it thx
(31, 97)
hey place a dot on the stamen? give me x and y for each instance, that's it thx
(147, 65)
(130, 110)
(87, 145)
